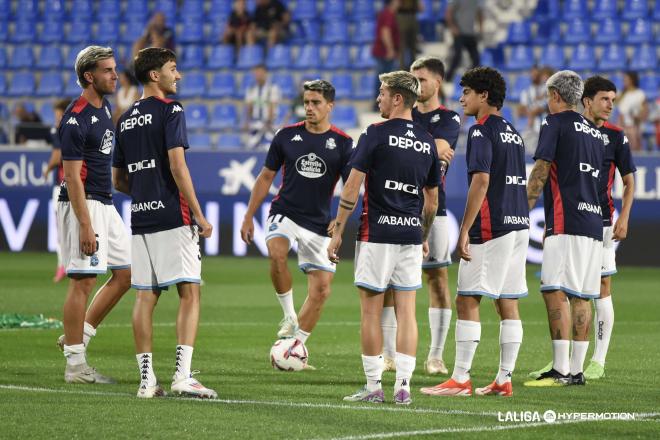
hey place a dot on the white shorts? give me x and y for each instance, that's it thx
(114, 250)
(571, 263)
(379, 266)
(608, 264)
(312, 247)
(497, 269)
(163, 258)
(439, 255)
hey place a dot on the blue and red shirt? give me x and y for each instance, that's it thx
(574, 147)
(311, 164)
(445, 124)
(399, 159)
(617, 155)
(145, 134)
(496, 148)
(86, 133)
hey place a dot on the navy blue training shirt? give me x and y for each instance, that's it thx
(496, 148)
(617, 155)
(86, 133)
(311, 164)
(574, 147)
(145, 133)
(445, 124)
(399, 158)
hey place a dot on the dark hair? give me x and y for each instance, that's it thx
(61, 104)
(323, 87)
(151, 58)
(486, 79)
(597, 84)
(432, 64)
(634, 77)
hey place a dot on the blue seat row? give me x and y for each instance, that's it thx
(569, 9)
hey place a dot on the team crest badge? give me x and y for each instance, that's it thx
(606, 139)
(272, 227)
(330, 144)
(435, 118)
(107, 142)
(94, 260)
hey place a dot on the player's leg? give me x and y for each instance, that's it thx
(145, 303)
(60, 271)
(279, 239)
(581, 320)
(389, 327)
(73, 318)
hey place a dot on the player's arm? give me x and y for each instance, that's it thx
(445, 152)
(53, 161)
(181, 175)
(621, 225)
(120, 180)
(259, 192)
(536, 181)
(429, 210)
(475, 198)
(76, 191)
(347, 202)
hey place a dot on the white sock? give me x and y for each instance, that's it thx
(439, 320)
(74, 354)
(603, 331)
(468, 334)
(578, 354)
(560, 358)
(511, 335)
(88, 333)
(146, 367)
(302, 335)
(286, 301)
(373, 368)
(405, 365)
(388, 325)
(183, 360)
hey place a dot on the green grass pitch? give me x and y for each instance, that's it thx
(238, 324)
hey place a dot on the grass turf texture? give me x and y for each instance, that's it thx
(238, 325)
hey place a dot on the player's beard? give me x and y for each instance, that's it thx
(103, 88)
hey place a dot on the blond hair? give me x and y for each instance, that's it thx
(87, 60)
(403, 83)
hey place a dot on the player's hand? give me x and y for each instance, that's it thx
(333, 248)
(247, 230)
(88, 243)
(204, 228)
(425, 248)
(620, 231)
(331, 227)
(464, 246)
(447, 155)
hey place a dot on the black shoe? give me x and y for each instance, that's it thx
(551, 378)
(577, 379)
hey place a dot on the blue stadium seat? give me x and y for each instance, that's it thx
(28, 10)
(574, 9)
(72, 88)
(54, 9)
(192, 57)
(507, 113)
(279, 57)
(192, 31)
(3, 90)
(223, 85)
(364, 32)
(47, 113)
(520, 32)
(51, 84)
(617, 79)
(520, 58)
(547, 9)
(308, 57)
(4, 29)
(107, 31)
(656, 11)
(338, 57)
(282, 113)
(192, 85)
(635, 9)
(285, 82)
(246, 82)
(649, 83)
(5, 8)
(577, 31)
(333, 9)
(363, 58)
(582, 58)
(305, 31)
(79, 32)
(553, 56)
(217, 31)
(366, 86)
(608, 30)
(604, 9)
(522, 82)
(363, 9)
(639, 31)
(71, 55)
(250, 56)
(644, 57)
(24, 31)
(547, 31)
(3, 59)
(428, 11)
(230, 141)
(344, 116)
(220, 10)
(22, 84)
(196, 116)
(110, 9)
(305, 10)
(224, 117)
(167, 7)
(133, 29)
(612, 58)
(200, 141)
(192, 10)
(82, 10)
(50, 57)
(51, 32)
(335, 32)
(22, 57)
(222, 57)
(343, 83)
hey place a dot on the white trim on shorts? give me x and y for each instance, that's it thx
(438, 244)
(608, 263)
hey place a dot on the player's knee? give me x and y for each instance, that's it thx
(321, 292)
(123, 278)
(278, 259)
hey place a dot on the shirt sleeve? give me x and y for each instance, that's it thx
(548, 140)
(623, 157)
(363, 152)
(275, 156)
(118, 159)
(448, 128)
(72, 138)
(480, 153)
(175, 127)
(434, 177)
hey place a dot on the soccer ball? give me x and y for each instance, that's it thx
(288, 355)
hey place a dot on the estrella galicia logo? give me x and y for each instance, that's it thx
(311, 166)
(94, 260)
(272, 227)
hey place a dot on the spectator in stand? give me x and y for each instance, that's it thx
(406, 19)
(633, 110)
(127, 94)
(461, 17)
(238, 26)
(533, 105)
(656, 120)
(386, 44)
(157, 34)
(270, 24)
(260, 109)
(24, 115)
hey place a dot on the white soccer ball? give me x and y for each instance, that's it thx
(288, 355)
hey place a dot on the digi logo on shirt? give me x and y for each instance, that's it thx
(142, 165)
(587, 168)
(400, 186)
(311, 166)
